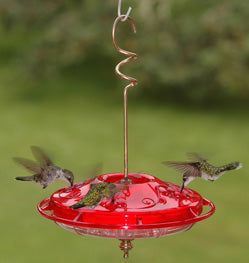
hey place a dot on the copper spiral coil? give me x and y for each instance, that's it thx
(133, 82)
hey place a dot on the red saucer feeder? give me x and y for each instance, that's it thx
(146, 207)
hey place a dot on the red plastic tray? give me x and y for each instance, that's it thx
(146, 203)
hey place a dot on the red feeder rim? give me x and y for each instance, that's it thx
(146, 207)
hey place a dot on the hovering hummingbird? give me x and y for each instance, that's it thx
(45, 170)
(95, 194)
(199, 167)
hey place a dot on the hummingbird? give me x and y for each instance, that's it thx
(45, 170)
(95, 195)
(199, 167)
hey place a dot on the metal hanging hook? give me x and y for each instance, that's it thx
(131, 57)
(119, 11)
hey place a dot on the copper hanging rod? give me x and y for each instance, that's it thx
(133, 82)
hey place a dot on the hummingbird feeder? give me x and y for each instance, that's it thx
(145, 207)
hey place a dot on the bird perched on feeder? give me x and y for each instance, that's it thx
(95, 195)
(199, 167)
(45, 170)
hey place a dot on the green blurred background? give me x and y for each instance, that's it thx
(58, 90)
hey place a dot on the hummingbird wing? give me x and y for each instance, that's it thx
(97, 169)
(93, 172)
(196, 157)
(187, 168)
(41, 157)
(28, 164)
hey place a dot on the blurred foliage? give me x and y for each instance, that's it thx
(188, 49)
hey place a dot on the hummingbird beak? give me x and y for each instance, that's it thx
(71, 182)
(70, 179)
(68, 176)
(183, 184)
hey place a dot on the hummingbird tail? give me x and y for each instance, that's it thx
(232, 166)
(240, 165)
(25, 178)
(77, 205)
